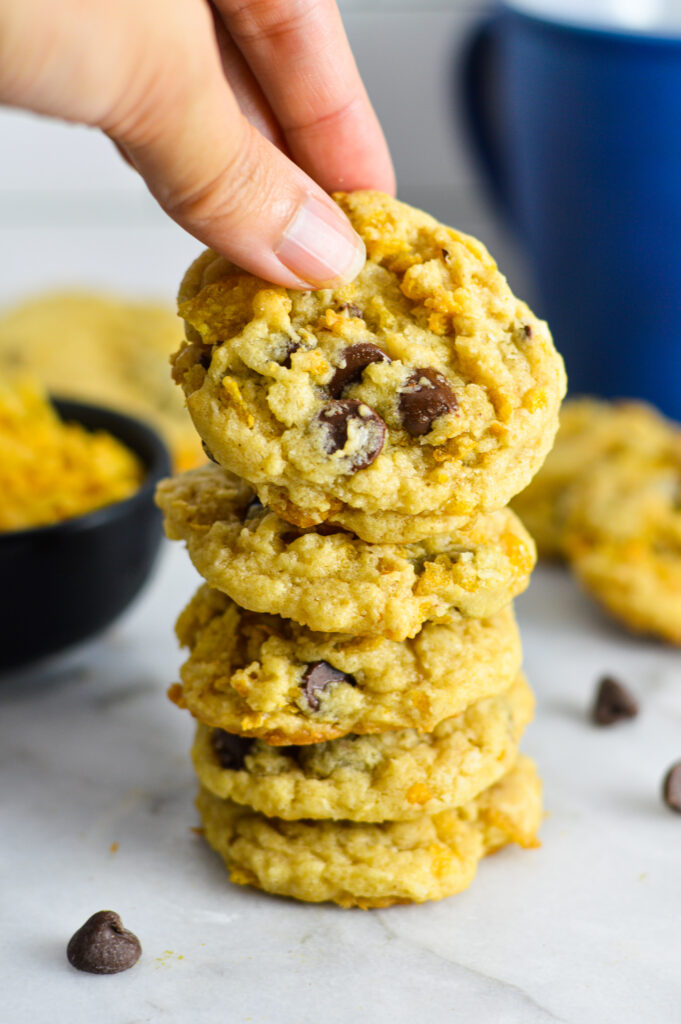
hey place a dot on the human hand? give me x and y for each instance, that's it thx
(238, 115)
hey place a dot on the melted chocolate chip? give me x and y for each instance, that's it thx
(613, 703)
(425, 396)
(335, 419)
(103, 946)
(229, 749)
(209, 453)
(290, 348)
(355, 359)
(352, 309)
(527, 330)
(317, 677)
(671, 788)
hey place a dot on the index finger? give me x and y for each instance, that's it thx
(300, 55)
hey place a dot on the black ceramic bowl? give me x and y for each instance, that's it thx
(63, 583)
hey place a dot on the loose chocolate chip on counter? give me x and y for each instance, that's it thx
(355, 359)
(317, 676)
(671, 788)
(613, 702)
(335, 419)
(229, 749)
(425, 396)
(209, 453)
(103, 946)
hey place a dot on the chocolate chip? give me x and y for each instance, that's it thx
(352, 309)
(613, 702)
(527, 330)
(317, 676)
(355, 359)
(229, 749)
(289, 348)
(103, 946)
(671, 788)
(369, 434)
(445, 254)
(209, 453)
(425, 396)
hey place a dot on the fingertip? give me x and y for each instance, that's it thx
(320, 246)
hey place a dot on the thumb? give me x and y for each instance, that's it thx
(150, 75)
(231, 188)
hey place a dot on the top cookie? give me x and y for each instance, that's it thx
(422, 387)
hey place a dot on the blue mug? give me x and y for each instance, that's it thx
(577, 126)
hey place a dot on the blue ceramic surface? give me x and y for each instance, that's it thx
(578, 131)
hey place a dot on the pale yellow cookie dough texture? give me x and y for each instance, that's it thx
(354, 664)
(608, 500)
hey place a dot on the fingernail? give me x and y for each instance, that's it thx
(320, 245)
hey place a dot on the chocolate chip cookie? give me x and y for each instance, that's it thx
(265, 676)
(374, 865)
(622, 536)
(330, 580)
(422, 388)
(390, 776)
(592, 432)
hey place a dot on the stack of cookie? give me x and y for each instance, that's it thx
(354, 660)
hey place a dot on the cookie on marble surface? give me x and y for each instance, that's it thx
(374, 865)
(267, 677)
(592, 432)
(623, 536)
(423, 386)
(328, 579)
(389, 776)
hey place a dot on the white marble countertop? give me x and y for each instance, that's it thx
(582, 930)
